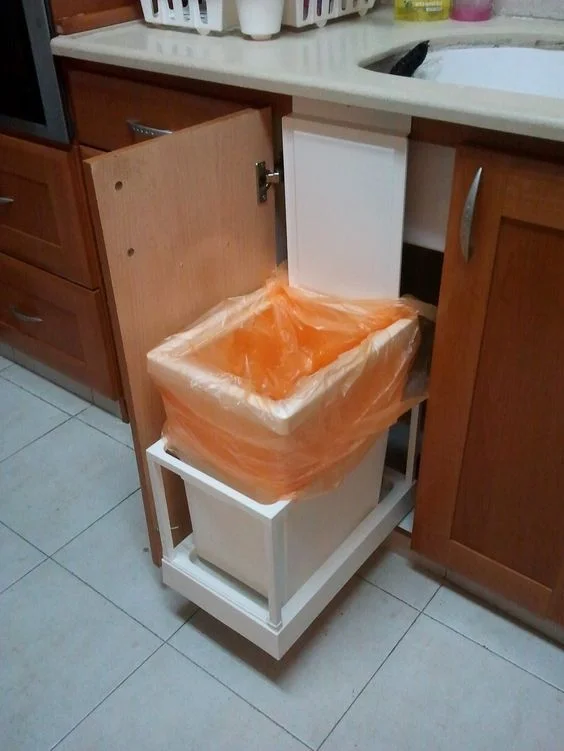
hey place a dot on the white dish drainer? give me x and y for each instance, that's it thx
(221, 15)
(202, 15)
(299, 13)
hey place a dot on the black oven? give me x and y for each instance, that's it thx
(30, 96)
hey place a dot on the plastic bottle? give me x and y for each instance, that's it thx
(472, 10)
(422, 10)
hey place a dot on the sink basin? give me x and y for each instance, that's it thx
(524, 70)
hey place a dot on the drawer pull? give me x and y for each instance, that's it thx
(145, 130)
(467, 220)
(5, 201)
(23, 317)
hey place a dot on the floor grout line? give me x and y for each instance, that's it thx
(396, 597)
(127, 677)
(232, 691)
(84, 422)
(196, 611)
(433, 596)
(19, 534)
(369, 681)
(41, 398)
(493, 652)
(16, 581)
(101, 594)
(39, 437)
(61, 409)
(82, 531)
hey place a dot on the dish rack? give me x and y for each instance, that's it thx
(202, 15)
(221, 15)
(299, 13)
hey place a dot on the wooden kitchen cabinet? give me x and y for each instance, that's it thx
(490, 499)
(179, 228)
(134, 110)
(43, 213)
(57, 322)
(52, 306)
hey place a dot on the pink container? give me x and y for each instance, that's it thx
(472, 10)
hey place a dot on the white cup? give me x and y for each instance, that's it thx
(260, 19)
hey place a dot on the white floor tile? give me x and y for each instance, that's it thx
(17, 557)
(317, 680)
(440, 691)
(57, 486)
(63, 649)
(23, 418)
(5, 363)
(113, 557)
(108, 424)
(52, 375)
(397, 574)
(46, 390)
(498, 633)
(171, 704)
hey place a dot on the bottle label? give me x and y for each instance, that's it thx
(429, 6)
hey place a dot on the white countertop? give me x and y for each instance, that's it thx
(324, 64)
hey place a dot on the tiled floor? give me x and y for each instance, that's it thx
(95, 654)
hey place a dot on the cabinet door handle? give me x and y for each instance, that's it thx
(467, 220)
(145, 130)
(4, 200)
(23, 317)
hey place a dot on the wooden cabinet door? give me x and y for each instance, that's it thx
(43, 215)
(180, 229)
(490, 501)
(58, 322)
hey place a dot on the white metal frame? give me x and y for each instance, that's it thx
(271, 623)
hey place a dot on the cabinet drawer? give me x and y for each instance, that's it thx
(105, 106)
(44, 219)
(57, 322)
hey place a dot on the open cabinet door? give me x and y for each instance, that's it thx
(179, 229)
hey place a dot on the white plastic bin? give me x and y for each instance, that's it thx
(229, 529)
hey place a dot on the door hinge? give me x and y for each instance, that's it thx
(266, 178)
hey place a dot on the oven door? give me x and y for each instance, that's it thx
(30, 97)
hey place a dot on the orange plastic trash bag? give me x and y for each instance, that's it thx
(281, 392)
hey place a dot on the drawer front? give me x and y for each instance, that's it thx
(43, 214)
(58, 322)
(105, 109)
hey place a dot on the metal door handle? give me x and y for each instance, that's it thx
(145, 130)
(23, 317)
(4, 200)
(467, 220)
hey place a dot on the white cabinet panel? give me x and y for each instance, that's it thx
(345, 193)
